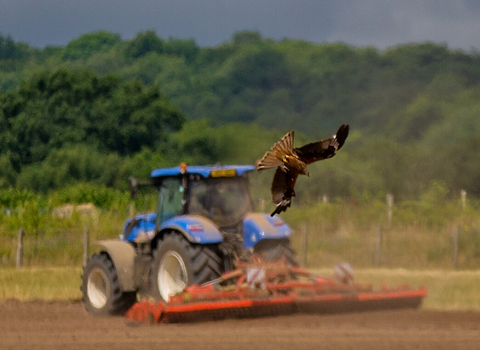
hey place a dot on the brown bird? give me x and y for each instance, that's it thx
(290, 162)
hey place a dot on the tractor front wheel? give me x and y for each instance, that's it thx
(178, 263)
(102, 294)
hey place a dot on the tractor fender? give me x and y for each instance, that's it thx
(195, 228)
(257, 226)
(141, 228)
(123, 258)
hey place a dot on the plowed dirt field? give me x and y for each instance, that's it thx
(62, 325)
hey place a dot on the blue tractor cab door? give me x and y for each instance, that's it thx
(171, 200)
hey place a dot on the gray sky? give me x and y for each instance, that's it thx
(381, 23)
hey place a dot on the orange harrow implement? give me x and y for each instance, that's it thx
(265, 289)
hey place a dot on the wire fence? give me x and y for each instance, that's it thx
(366, 234)
(67, 247)
(382, 247)
(409, 247)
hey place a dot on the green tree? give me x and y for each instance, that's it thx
(195, 144)
(144, 43)
(86, 45)
(7, 173)
(252, 66)
(69, 165)
(246, 37)
(53, 110)
(187, 49)
(142, 163)
(10, 50)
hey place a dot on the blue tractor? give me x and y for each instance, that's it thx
(203, 225)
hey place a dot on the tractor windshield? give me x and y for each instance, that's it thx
(225, 201)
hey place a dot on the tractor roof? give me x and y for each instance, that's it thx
(205, 171)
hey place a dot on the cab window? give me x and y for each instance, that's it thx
(170, 200)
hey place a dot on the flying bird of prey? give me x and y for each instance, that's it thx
(290, 162)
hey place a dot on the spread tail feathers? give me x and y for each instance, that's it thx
(273, 158)
(282, 206)
(269, 160)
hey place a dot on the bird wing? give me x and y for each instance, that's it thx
(323, 149)
(283, 189)
(273, 158)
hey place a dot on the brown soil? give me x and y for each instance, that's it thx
(57, 325)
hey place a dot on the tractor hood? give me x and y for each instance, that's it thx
(257, 226)
(199, 230)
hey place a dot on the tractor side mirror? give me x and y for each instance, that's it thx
(133, 186)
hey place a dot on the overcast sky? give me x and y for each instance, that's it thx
(381, 23)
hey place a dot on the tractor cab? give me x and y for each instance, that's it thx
(220, 193)
(208, 204)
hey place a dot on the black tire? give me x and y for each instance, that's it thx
(178, 263)
(102, 294)
(276, 249)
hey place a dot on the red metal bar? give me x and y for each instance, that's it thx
(283, 293)
(160, 312)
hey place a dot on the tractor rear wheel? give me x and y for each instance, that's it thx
(177, 263)
(102, 294)
(276, 249)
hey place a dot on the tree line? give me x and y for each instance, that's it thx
(102, 108)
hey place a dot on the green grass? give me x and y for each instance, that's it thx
(447, 290)
(40, 283)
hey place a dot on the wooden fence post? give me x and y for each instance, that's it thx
(378, 250)
(303, 229)
(85, 246)
(389, 208)
(261, 204)
(456, 233)
(20, 248)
